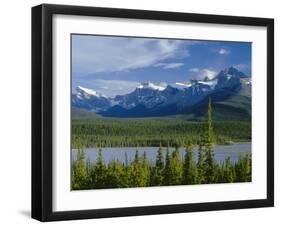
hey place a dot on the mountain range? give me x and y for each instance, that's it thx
(230, 92)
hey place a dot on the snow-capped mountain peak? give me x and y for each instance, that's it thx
(150, 85)
(185, 84)
(232, 71)
(211, 83)
(89, 99)
(82, 90)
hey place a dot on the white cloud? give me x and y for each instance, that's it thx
(223, 51)
(208, 73)
(92, 54)
(195, 69)
(203, 73)
(169, 65)
(241, 67)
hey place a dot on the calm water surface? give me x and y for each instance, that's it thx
(221, 152)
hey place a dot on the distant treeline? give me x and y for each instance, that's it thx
(151, 132)
(171, 171)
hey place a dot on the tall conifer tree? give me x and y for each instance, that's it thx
(126, 171)
(80, 177)
(190, 171)
(159, 168)
(99, 171)
(145, 173)
(228, 171)
(167, 172)
(209, 163)
(176, 172)
(200, 164)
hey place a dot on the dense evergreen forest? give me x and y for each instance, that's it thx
(147, 132)
(166, 170)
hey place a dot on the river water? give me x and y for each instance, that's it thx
(221, 152)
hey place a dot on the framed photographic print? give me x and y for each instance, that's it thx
(146, 112)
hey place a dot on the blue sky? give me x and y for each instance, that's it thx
(116, 65)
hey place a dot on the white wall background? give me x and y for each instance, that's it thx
(15, 113)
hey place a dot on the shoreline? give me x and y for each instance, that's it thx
(164, 147)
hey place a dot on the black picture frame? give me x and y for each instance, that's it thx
(42, 111)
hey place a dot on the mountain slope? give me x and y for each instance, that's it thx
(234, 107)
(89, 99)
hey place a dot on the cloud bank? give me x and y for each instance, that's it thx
(203, 73)
(169, 65)
(102, 54)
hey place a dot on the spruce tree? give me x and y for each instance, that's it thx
(99, 172)
(200, 165)
(243, 169)
(145, 173)
(115, 173)
(248, 168)
(138, 173)
(176, 172)
(228, 171)
(238, 170)
(125, 178)
(209, 134)
(209, 162)
(167, 172)
(80, 177)
(190, 171)
(221, 173)
(158, 178)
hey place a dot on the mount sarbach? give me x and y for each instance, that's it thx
(230, 91)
